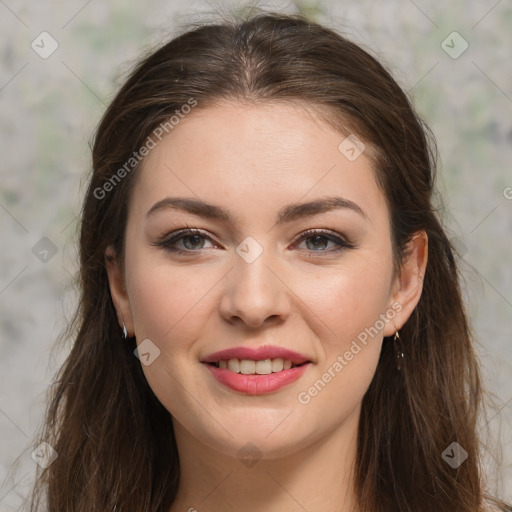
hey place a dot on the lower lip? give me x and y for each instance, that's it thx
(256, 384)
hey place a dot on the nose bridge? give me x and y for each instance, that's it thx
(253, 293)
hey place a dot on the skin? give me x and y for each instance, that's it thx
(297, 294)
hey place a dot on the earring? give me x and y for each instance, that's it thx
(125, 332)
(399, 355)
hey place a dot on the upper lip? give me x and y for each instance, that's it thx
(256, 354)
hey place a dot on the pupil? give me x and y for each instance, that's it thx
(195, 239)
(317, 237)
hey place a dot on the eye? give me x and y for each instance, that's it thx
(317, 241)
(192, 240)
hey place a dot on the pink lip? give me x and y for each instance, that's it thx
(256, 384)
(256, 354)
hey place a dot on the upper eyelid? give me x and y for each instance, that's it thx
(320, 232)
(197, 231)
(179, 234)
(188, 231)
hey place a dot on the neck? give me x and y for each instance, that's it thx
(317, 477)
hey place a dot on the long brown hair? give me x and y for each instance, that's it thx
(114, 439)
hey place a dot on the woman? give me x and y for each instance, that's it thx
(270, 316)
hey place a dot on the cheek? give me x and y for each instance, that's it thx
(349, 300)
(347, 317)
(166, 302)
(170, 307)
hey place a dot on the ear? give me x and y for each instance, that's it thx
(118, 290)
(408, 284)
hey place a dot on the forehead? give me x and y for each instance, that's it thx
(255, 156)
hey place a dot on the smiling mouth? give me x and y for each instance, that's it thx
(252, 367)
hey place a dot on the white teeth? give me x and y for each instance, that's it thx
(250, 367)
(264, 367)
(247, 367)
(234, 365)
(277, 365)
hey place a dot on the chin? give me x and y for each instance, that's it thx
(248, 438)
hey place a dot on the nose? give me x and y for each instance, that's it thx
(255, 293)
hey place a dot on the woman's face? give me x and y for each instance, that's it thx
(254, 281)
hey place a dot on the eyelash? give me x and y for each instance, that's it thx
(169, 240)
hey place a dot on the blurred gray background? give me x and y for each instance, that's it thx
(61, 63)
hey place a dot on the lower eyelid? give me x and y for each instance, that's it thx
(337, 248)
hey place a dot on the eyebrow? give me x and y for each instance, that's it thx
(286, 214)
